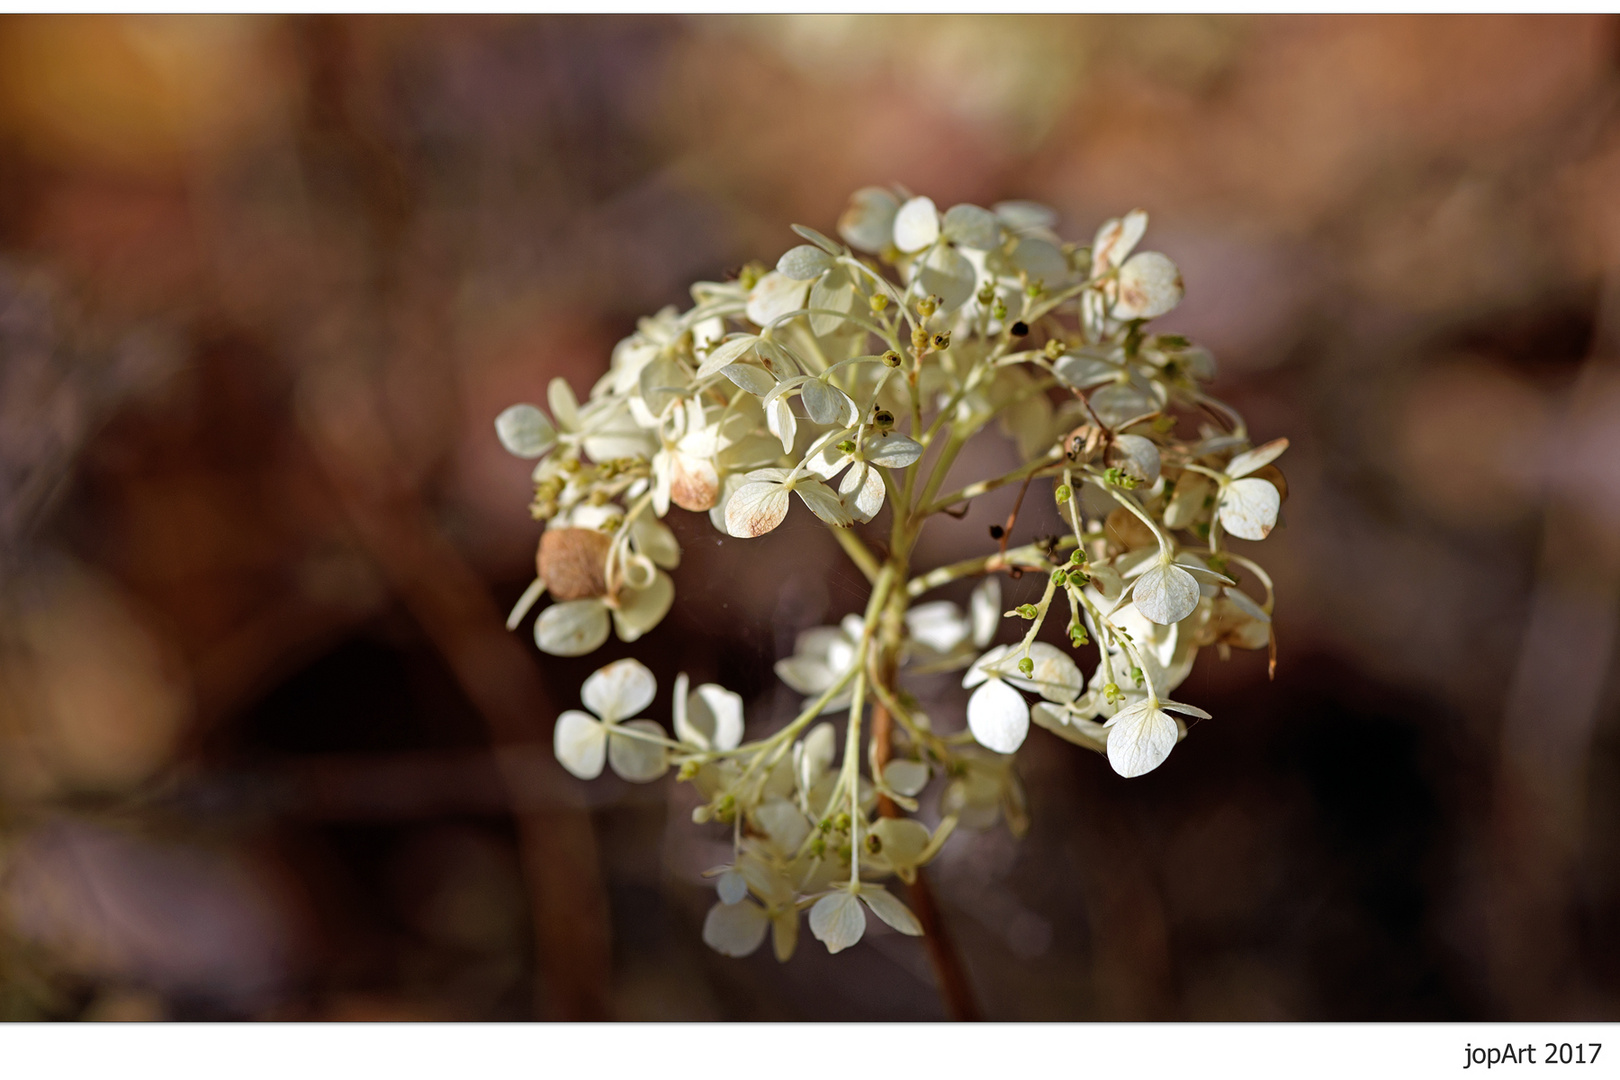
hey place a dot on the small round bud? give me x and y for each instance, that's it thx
(1077, 557)
(841, 823)
(919, 340)
(1136, 675)
(1062, 494)
(926, 306)
(891, 359)
(847, 446)
(1054, 348)
(1027, 666)
(999, 311)
(942, 340)
(878, 302)
(986, 294)
(1035, 288)
(1028, 611)
(1112, 692)
(1060, 578)
(687, 770)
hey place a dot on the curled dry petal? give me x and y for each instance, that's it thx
(1115, 240)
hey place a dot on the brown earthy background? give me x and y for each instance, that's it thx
(267, 752)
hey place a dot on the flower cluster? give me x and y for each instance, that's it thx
(849, 378)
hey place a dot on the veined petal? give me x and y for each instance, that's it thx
(1140, 737)
(634, 759)
(972, 227)
(580, 743)
(886, 906)
(572, 628)
(1187, 503)
(756, 509)
(938, 624)
(947, 273)
(1136, 456)
(750, 377)
(892, 451)
(863, 492)
(1165, 593)
(773, 296)
(713, 718)
(1056, 677)
(804, 263)
(694, 482)
(725, 354)
(822, 501)
(868, 224)
(1249, 508)
(998, 716)
(735, 929)
(619, 690)
(823, 402)
(837, 920)
(525, 431)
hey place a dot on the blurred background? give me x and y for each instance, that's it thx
(266, 750)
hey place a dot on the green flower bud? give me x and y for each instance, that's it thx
(926, 306)
(891, 359)
(1062, 494)
(1137, 676)
(1027, 666)
(878, 302)
(1028, 611)
(999, 311)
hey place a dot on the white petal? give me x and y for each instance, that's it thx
(814, 755)
(713, 718)
(1165, 593)
(656, 540)
(783, 824)
(1021, 215)
(1242, 465)
(904, 839)
(580, 744)
(906, 776)
(985, 610)
(948, 274)
(1149, 286)
(1115, 239)
(750, 377)
(979, 672)
(785, 933)
(725, 354)
(1249, 508)
(804, 263)
(805, 674)
(824, 403)
(1136, 456)
(731, 886)
(837, 920)
(572, 628)
(619, 690)
(1087, 733)
(998, 717)
(1041, 259)
(916, 226)
(525, 431)
(756, 509)
(868, 224)
(735, 929)
(938, 624)
(634, 759)
(863, 492)
(833, 292)
(1188, 501)
(782, 423)
(820, 239)
(564, 406)
(773, 296)
(1056, 677)
(972, 226)
(640, 610)
(886, 906)
(1139, 739)
(892, 451)
(822, 501)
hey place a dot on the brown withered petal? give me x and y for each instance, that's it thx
(572, 562)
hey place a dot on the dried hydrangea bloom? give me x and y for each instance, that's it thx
(842, 383)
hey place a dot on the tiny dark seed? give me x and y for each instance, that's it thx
(1020, 328)
(997, 532)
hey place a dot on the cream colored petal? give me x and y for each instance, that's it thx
(1187, 503)
(972, 226)
(985, 610)
(804, 263)
(892, 451)
(525, 431)
(886, 906)
(783, 824)
(822, 501)
(863, 492)
(906, 776)
(656, 540)
(640, 610)
(1135, 456)
(580, 744)
(785, 933)
(1149, 286)
(837, 921)
(564, 406)
(1246, 462)
(814, 754)
(634, 759)
(713, 718)
(1249, 508)
(948, 274)
(735, 929)
(1056, 677)
(756, 509)
(619, 690)
(1139, 739)
(732, 887)
(904, 839)
(938, 624)
(1020, 215)
(868, 224)
(725, 354)
(806, 674)
(998, 716)
(1087, 733)
(1115, 240)
(1165, 593)
(774, 296)
(572, 628)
